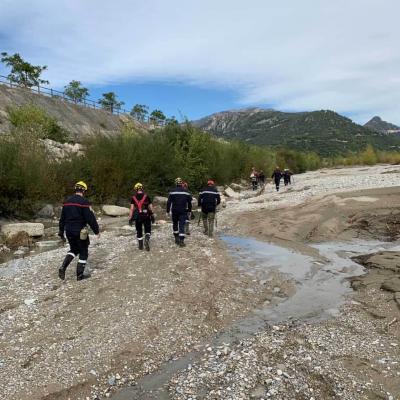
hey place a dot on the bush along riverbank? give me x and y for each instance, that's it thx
(31, 176)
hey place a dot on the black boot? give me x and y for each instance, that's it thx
(80, 269)
(176, 238)
(147, 242)
(67, 260)
(140, 242)
(182, 241)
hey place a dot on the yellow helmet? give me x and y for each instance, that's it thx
(138, 186)
(80, 186)
(178, 181)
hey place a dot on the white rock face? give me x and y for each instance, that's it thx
(32, 229)
(115, 211)
(229, 192)
(60, 151)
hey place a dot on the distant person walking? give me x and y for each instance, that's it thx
(261, 178)
(179, 204)
(254, 178)
(141, 213)
(76, 214)
(277, 176)
(287, 177)
(209, 199)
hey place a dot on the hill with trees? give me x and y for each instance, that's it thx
(324, 132)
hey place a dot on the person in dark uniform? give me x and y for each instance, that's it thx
(185, 185)
(287, 176)
(277, 176)
(209, 199)
(179, 204)
(261, 178)
(141, 213)
(75, 216)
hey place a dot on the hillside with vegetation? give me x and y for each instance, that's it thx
(324, 132)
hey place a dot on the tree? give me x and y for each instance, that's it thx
(139, 112)
(171, 121)
(76, 92)
(22, 72)
(157, 117)
(110, 102)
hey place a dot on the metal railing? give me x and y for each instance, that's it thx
(50, 92)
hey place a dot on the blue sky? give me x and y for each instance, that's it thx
(174, 99)
(198, 57)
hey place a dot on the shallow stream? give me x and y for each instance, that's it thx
(320, 289)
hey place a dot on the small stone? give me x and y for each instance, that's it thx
(111, 381)
(29, 302)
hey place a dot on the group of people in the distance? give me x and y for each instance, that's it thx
(257, 178)
(77, 214)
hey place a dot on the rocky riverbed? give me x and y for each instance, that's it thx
(195, 323)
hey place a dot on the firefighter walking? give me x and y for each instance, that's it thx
(179, 204)
(141, 213)
(76, 214)
(209, 199)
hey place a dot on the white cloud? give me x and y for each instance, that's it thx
(295, 55)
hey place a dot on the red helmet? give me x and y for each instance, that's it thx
(210, 182)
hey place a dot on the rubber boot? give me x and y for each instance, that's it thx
(205, 224)
(211, 219)
(176, 238)
(147, 242)
(182, 241)
(140, 243)
(211, 228)
(80, 269)
(67, 260)
(187, 228)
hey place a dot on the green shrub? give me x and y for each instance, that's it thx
(112, 165)
(32, 119)
(25, 176)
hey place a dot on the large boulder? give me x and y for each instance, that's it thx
(46, 212)
(236, 187)
(31, 228)
(229, 192)
(160, 201)
(115, 211)
(18, 239)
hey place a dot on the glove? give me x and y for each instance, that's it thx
(61, 236)
(152, 218)
(131, 222)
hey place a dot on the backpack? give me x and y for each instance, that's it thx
(140, 213)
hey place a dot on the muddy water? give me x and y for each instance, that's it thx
(320, 290)
(319, 287)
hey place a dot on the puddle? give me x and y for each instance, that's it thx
(320, 288)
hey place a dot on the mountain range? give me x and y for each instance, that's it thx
(324, 132)
(378, 125)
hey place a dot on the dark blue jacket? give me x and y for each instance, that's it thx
(76, 214)
(277, 175)
(179, 200)
(209, 198)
